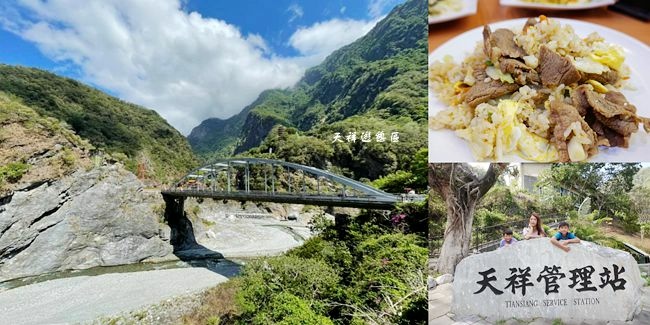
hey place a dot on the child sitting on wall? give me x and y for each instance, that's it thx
(507, 238)
(563, 237)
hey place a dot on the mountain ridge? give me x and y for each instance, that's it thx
(382, 74)
(136, 135)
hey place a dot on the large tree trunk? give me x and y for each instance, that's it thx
(461, 189)
(458, 234)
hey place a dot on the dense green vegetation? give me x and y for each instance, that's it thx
(370, 160)
(12, 110)
(377, 83)
(595, 198)
(370, 270)
(111, 125)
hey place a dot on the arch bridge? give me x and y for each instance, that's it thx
(267, 180)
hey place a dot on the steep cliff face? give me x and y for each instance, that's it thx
(90, 218)
(60, 208)
(257, 127)
(217, 138)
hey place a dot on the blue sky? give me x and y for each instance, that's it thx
(187, 59)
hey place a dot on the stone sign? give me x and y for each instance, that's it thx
(533, 279)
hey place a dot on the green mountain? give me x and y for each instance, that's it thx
(133, 134)
(377, 83)
(219, 138)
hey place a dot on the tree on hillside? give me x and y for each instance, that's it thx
(607, 185)
(640, 195)
(461, 187)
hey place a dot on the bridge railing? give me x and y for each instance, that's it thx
(189, 192)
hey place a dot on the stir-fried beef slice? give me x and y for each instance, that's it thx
(522, 73)
(561, 117)
(478, 71)
(599, 129)
(508, 65)
(608, 77)
(579, 99)
(487, 47)
(625, 125)
(555, 69)
(619, 99)
(503, 40)
(608, 137)
(542, 95)
(481, 92)
(613, 104)
(621, 121)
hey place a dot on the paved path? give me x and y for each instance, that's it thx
(85, 298)
(440, 313)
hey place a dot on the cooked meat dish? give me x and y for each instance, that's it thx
(529, 88)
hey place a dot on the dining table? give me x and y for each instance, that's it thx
(490, 11)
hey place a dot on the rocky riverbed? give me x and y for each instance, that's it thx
(86, 298)
(152, 296)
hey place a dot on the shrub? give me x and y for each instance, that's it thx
(388, 265)
(287, 309)
(645, 229)
(335, 254)
(217, 305)
(587, 227)
(13, 172)
(629, 219)
(487, 218)
(68, 157)
(311, 280)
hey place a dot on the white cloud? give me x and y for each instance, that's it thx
(184, 66)
(376, 7)
(321, 39)
(296, 12)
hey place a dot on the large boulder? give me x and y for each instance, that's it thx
(99, 217)
(536, 279)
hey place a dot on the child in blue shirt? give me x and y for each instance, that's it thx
(563, 237)
(507, 238)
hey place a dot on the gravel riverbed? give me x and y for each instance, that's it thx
(85, 298)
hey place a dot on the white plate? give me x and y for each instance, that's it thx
(548, 6)
(469, 8)
(446, 146)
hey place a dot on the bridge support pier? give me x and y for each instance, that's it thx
(182, 232)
